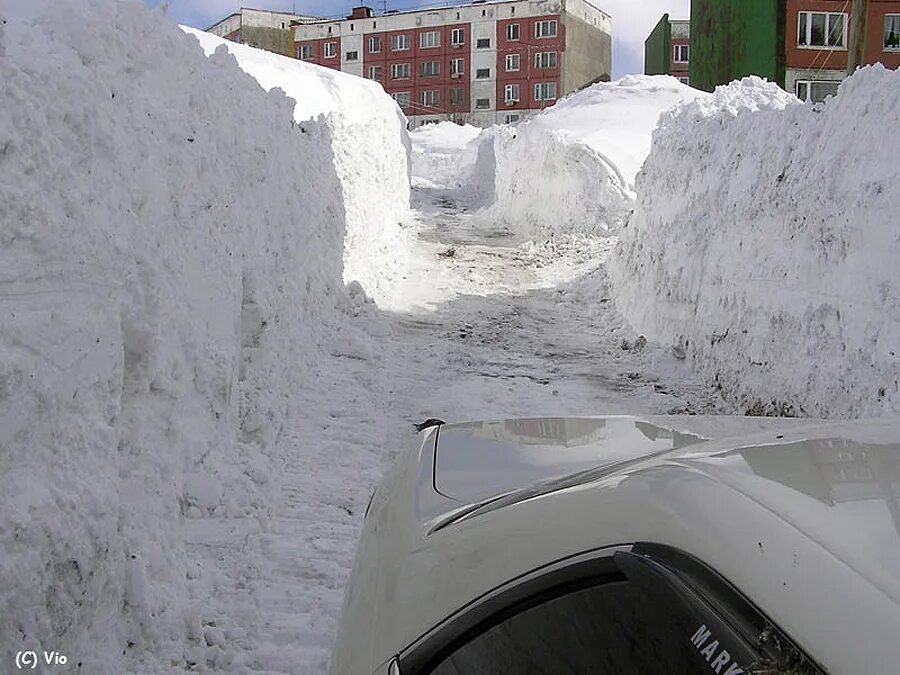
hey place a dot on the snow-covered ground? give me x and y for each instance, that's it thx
(194, 408)
(765, 242)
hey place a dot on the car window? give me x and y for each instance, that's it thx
(652, 610)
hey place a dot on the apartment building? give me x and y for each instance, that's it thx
(667, 51)
(803, 45)
(483, 63)
(259, 28)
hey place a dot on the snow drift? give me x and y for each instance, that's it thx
(444, 154)
(570, 169)
(171, 273)
(765, 243)
(370, 152)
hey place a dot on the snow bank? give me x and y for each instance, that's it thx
(371, 153)
(171, 247)
(765, 244)
(571, 168)
(444, 154)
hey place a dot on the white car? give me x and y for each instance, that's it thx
(632, 545)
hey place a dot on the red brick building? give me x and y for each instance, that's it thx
(482, 63)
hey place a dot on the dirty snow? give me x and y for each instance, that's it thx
(765, 242)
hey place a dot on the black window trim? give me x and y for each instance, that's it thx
(683, 572)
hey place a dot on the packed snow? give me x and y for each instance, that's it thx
(764, 244)
(370, 152)
(571, 168)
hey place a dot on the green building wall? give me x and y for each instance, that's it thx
(731, 39)
(658, 49)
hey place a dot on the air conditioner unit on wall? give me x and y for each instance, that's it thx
(455, 76)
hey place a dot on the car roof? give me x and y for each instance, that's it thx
(800, 515)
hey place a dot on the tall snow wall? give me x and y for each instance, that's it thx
(371, 153)
(765, 242)
(571, 168)
(171, 247)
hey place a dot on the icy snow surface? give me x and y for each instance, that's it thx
(370, 154)
(571, 168)
(765, 244)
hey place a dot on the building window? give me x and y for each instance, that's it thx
(544, 60)
(457, 97)
(820, 29)
(375, 73)
(352, 56)
(304, 52)
(430, 68)
(512, 32)
(330, 50)
(511, 93)
(457, 67)
(482, 74)
(482, 103)
(513, 63)
(892, 32)
(816, 91)
(374, 45)
(430, 39)
(430, 99)
(514, 117)
(545, 91)
(458, 37)
(682, 53)
(685, 80)
(400, 43)
(545, 29)
(400, 71)
(402, 99)
(483, 43)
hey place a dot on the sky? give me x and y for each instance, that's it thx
(632, 19)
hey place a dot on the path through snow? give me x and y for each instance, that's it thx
(489, 327)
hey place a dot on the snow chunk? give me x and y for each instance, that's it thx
(764, 244)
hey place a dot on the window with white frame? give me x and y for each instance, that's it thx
(304, 53)
(545, 91)
(511, 93)
(375, 73)
(513, 63)
(457, 66)
(513, 117)
(430, 98)
(482, 103)
(682, 53)
(483, 74)
(352, 56)
(374, 45)
(545, 29)
(400, 71)
(815, 91)
(483, 43)
(330, 50)
(822, 29)
(544, 60)
(400, 43)
(430, 68)
(512, 32)
(685, 80)
(458, 36)
(402, 98)
(892, 32)
(430, 39)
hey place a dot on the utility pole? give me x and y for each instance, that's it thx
(856, 54)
